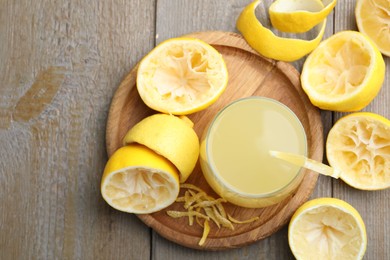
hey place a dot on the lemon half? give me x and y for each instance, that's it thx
(359, 146)
(181, 76)
(327, 228)
(344, 73)
(373, 19)
(137, 180)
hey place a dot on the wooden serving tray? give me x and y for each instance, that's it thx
(249, 75)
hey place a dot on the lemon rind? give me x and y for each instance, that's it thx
(298, 21)
(187, 162)
(265, 42)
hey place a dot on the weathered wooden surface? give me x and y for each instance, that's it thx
(61, 62)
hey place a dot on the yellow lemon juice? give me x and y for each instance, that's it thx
(235, 157)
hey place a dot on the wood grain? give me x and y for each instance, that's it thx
(61, 63)
(51, 163)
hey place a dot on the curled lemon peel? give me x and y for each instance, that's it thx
(264, 41)
(206, 231)
(195, 201)
(299, 16)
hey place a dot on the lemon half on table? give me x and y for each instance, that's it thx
(359, 146)
(181, 76)
(299, 15)
(344, 73)
(373, 20)
(327, 228)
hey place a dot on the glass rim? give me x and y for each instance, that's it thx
(229, 186)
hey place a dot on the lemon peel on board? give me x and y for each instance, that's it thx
(181, 76)
(200, 205)
(137, 180)
(170, 136)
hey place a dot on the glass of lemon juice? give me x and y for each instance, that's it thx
(235, 147)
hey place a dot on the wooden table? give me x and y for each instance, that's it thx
(61, 62)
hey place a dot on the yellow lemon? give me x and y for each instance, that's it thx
(345, 72)
(264, 41)
(327, 228)
(137, 180)
(373, 19)
(299, 15)
(359, 146)
(170, 136)
(181, 76)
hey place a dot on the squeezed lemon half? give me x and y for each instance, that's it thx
(137, 180)
(359, 146)
(344, 73)
(327, 228)
(181, 76)
(373, 20)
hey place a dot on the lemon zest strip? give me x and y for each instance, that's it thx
(206, 231)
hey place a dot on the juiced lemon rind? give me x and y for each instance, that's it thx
(264, 41)
(299, 16)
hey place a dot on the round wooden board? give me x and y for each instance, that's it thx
(249, 75)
